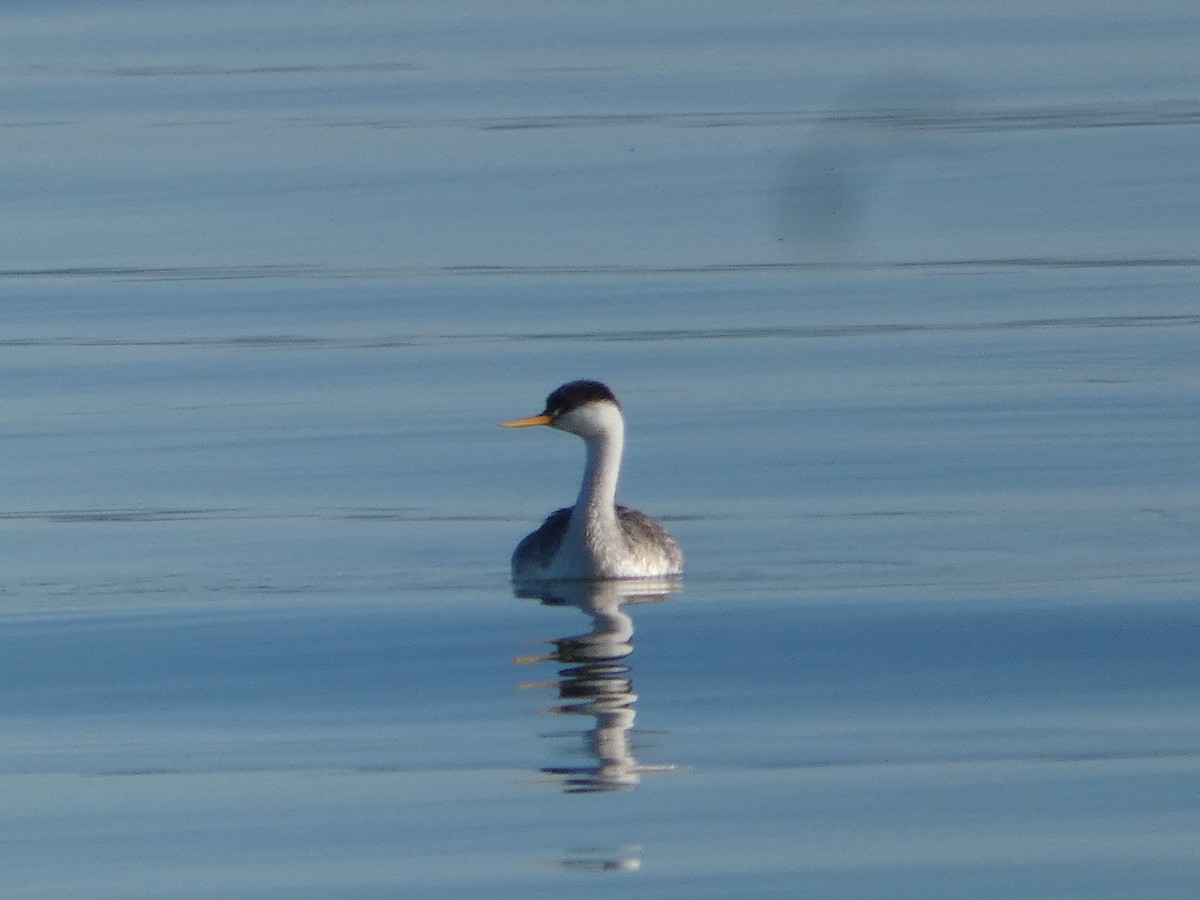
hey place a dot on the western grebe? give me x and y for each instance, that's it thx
(595, 538)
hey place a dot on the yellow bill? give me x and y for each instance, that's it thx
(528, 422)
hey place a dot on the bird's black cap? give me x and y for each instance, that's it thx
(575, 394)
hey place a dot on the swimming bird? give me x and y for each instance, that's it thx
(594, 539)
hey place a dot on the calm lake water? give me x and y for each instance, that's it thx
(902, 307)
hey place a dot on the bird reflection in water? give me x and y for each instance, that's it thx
(595, 679)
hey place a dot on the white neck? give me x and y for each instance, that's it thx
(605, 444)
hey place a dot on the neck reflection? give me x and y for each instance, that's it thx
(595, 679)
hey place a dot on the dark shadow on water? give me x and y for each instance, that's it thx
(595, 678)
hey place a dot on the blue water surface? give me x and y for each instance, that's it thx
(901, 307)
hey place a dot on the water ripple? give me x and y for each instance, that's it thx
(641, 335)
(332, 273)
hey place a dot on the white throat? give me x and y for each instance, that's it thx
(594, 545)
(598, 491)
